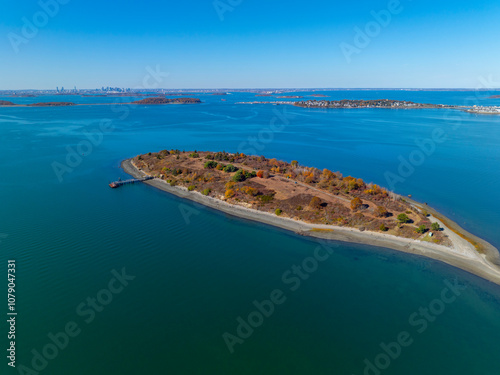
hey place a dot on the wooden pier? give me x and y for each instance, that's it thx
(121, 182)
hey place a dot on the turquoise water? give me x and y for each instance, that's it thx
(196, 270)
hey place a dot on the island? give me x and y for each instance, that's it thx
(350, 104)
(5, 102)
(379, 103)
(51, 104)
(484, 110)
(316, 203)
(146, 101)
(162, 100)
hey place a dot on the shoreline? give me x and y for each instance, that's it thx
(463, 255)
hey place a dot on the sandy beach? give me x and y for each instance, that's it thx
(463, 254)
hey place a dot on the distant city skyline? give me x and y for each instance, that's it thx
(255, 44)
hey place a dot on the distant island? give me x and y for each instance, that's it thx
(313, 202)
(5, 102)
(494, 97)
(47, 104)
(146, 101)
(162, 100)
(51, 104)
(348, 104)
(379, 103)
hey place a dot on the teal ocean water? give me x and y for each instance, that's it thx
(195, 273)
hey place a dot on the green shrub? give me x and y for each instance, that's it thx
(383, 228)
(191, 188)
(242, 175)
(194, 155)
(230, 168)
(210, 164)
(435, 226)
(266, 198)
(421, 229)
(278, 212)
(206, 191)
(403, 218)
(239, 176)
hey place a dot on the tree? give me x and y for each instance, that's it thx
(421, 229)
(403, 218)
(242, 175)
(278, 212)
(250, 190)
(229, 193)
(260, 174)
(315, 203)
(239, 176)
(383, 228)
(381, 211)
(435, 226)
(210, 164)
(230, 168)
(356, 204)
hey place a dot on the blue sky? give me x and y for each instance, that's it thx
(250, 44)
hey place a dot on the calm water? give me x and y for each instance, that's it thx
(194, 277)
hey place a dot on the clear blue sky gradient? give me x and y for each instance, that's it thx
(429, 44)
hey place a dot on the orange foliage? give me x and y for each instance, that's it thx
(381, 211)
(260, 174)
(315, 203)
(229, 193)
(250, 190)
(356, 203)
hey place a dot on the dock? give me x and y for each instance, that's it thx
(121, 182)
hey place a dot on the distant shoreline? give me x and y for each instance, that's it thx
(464, 256)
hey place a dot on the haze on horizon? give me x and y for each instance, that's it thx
(250, 44)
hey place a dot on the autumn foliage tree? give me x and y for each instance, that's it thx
(315, 203)
(381, 211)
(356, 204)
